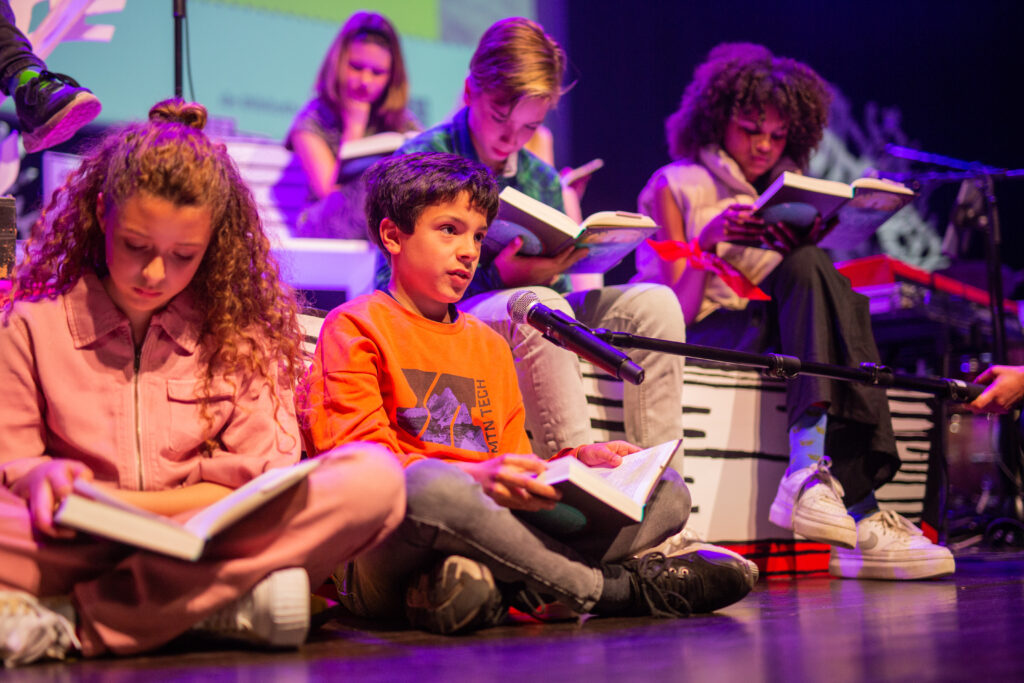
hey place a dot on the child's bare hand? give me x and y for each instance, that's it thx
(820, 229)
(45, 486)
(579, 186)
(511, 481)
(607, 454)
(782, 238)
(517, 270)
(737, 224)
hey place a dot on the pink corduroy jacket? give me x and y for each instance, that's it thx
(72, 387)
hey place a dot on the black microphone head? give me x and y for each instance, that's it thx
(519, 305)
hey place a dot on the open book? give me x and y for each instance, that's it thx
(610, 498)
(860, 207)
(380, 144)
(92, 510)
(608, 235)
(355, 156)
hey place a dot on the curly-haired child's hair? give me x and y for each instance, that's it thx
(401, 187)
(390, 112)
(248, 319)
(743, 77)
(515, 59)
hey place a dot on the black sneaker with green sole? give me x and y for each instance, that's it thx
(51, 108)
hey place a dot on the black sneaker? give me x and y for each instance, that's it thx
(689, 541)
(457, 596)
(51, 108)
(694, 583)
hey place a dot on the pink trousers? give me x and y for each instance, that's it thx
(130, 601)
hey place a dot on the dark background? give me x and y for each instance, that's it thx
(952, 68)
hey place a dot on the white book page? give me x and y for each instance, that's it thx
(247, 498)
(881, 184)
(638, 472)
(381, 143)
(796, 181)
(618, 219)
(91, 491)
(538, 210)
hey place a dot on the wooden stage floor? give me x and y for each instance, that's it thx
(969, 627)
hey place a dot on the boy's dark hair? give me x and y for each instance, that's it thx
(401, 187)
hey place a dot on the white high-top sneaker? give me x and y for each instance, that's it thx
(810, 502)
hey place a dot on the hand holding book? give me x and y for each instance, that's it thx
(610, 497)
(88, 507)
(45, 486)
(608, 454)
(851, 213)
(517, 269)
(736, 225)
(600, 242)
(511, 480)
(781, 231)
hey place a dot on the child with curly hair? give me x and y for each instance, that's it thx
(746, 117)
(148, 346)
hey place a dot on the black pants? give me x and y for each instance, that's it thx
(15, 51)
(815, 315)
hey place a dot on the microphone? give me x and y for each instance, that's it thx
(560, 329)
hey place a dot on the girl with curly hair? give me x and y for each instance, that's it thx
(361, 90)
(148, 346)
(746, 117)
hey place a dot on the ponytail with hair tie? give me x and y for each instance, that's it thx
(175, 110)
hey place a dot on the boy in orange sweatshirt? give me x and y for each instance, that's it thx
(405, 369)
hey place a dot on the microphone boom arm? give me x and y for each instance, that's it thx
(786, 367)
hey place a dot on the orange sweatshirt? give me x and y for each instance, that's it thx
(421, 388)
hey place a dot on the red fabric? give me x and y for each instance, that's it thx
(783, 559)
(882, 269)
(673, 250)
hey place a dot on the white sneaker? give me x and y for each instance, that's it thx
(810, 502)
(29, 631)
(689, 541)
(890, 547)
(275, 612)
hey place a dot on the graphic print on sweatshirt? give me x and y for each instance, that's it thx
(443, 410)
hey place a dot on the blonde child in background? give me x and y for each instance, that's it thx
(361, 90)
(515, 78)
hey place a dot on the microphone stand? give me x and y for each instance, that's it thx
(787, 367)
(178, 10)
(984, 178)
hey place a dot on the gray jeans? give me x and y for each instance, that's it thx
(552, 382)
(448, 513)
